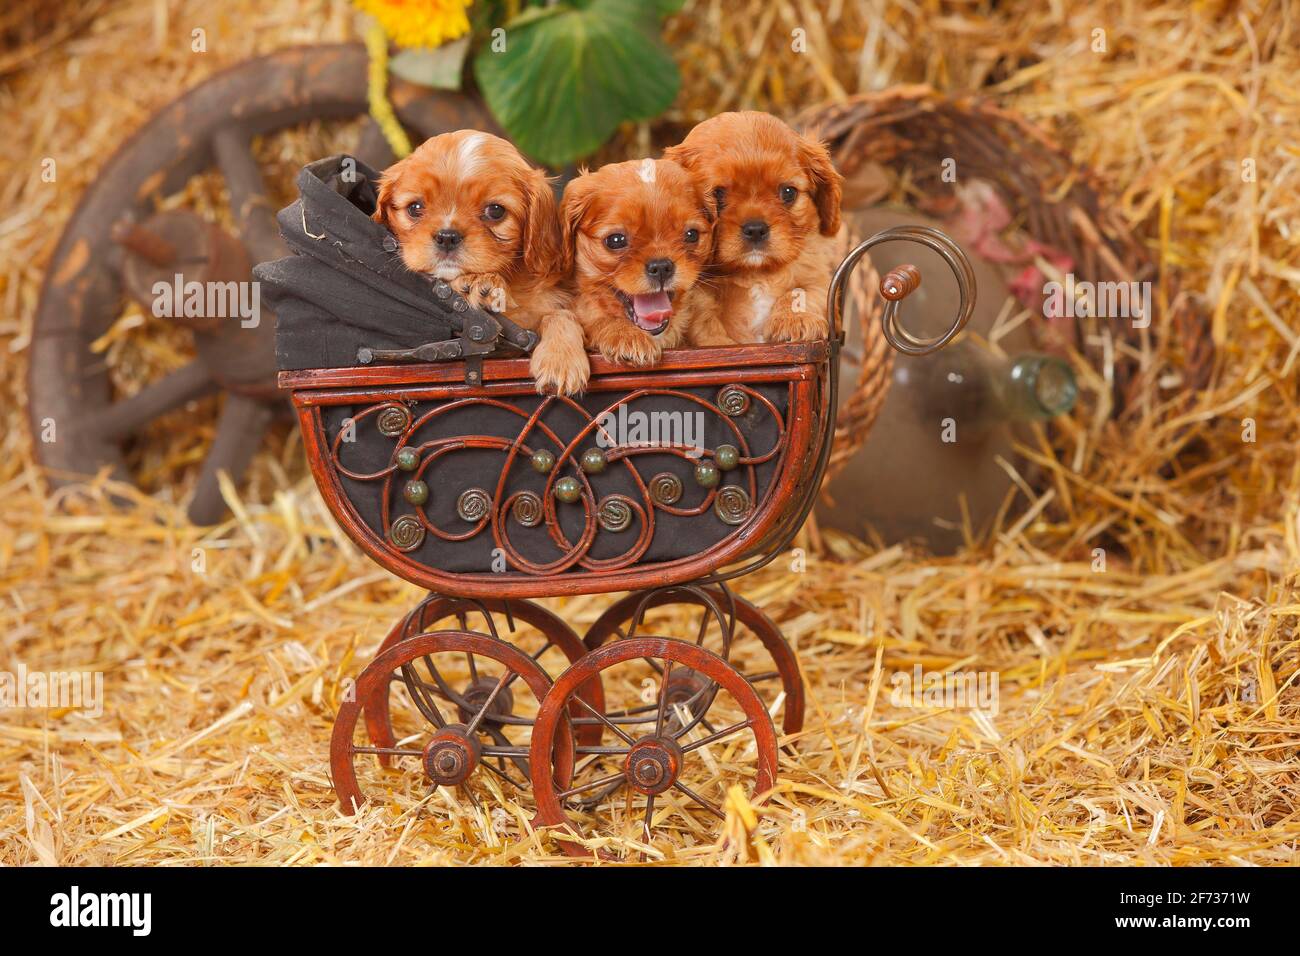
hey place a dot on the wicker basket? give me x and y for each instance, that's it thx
(908, 130)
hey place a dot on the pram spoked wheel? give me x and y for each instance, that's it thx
(552, 644)
(475, 697)
(726, 622)
(665, 760)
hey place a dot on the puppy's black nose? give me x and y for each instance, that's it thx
(447, 239)
(661, 269)
(754, 231)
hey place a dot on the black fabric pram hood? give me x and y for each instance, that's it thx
(346, 288)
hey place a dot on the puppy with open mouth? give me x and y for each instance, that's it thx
(466, 207)
(776, 198)
(637, 236)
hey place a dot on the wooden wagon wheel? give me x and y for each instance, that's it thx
(555, 635)
(662, 772)
(485, 726)
(114, 244)
(623, 619)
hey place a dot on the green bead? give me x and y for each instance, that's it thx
(416, 492)
(593, 461)
(408, 459)
(707, 474)
(543, 461)
(568, 490)
(726, 457)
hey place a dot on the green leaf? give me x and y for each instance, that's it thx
(439, 67)
(569, 76)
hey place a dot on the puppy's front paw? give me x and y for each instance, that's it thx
(624, 342)
(484, 290)
(788, 325)
(559, 368)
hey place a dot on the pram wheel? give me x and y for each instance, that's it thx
(468, 712)
(726, 623)
(551, 643)
(664, 764)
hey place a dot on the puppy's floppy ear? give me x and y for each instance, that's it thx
(577, 200)
(543, 248)
(683, 155)
(387, 183)
(827, 183)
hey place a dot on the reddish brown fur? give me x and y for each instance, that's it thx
(776, 292)
(510, 265)
(655, 216)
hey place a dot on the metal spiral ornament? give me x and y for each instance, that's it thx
(666, 488)
(732, 504)
(407, 533)
(527, 509)
(615, 513)
(473, 504)
(393, 421)
(733, 401)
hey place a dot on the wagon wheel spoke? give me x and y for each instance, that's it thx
(504, 775)
(153, 401)
(616, 779)
(662, 703)
(604, 720)
(422, 698)
(646, 825)
(252, 211)
(505, 751)
(386, 751)
(505, 681)
(706, 804)
(717, 735)
(240, 428)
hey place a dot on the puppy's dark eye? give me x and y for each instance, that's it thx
(720, 197)
(415, 209)
(788, 194)
(616, 240)
(494, 211)
(692, 236)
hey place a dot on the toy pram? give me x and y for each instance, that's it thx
(448, 469)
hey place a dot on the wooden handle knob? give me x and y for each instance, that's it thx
(900, 283)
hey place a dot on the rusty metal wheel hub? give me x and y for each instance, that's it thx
(480, 693)
(653, 764)
(451, 756)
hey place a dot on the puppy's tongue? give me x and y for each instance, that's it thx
(651, 309)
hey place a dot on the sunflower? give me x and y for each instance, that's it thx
(419, 23)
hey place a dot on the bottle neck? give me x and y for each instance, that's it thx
(1035, 387)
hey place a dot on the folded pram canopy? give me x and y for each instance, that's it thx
(346, 288)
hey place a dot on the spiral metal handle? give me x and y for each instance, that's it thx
(902, 282)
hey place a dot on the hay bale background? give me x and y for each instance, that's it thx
(1149, 714)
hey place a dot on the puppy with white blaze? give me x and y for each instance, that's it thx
(467, 208)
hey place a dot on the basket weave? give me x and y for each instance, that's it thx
(909, 129)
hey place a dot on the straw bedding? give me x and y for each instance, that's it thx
(1149, 714)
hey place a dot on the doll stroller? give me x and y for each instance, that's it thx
(436, 455)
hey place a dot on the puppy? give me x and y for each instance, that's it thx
(467, 208)
(776, 199)
(637, 237)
